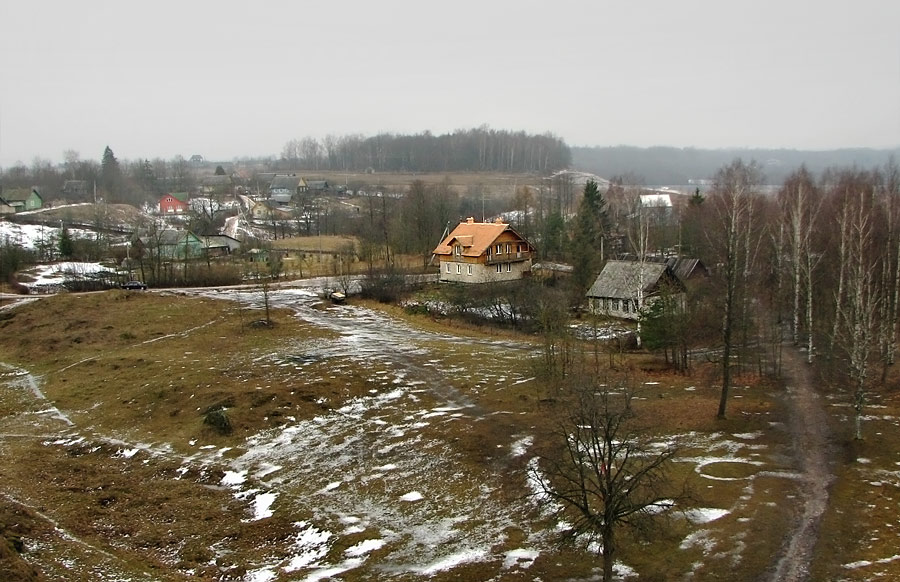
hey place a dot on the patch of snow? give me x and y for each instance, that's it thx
(233, 478)
(311, 544)
(262, 575)
(522, 558)
(261, 505)
(520, 447)
(699, 539)
(748, 436)
(126, 453)
(411, 496)
(453, 560)
(364, 547)
(705, 514)
(862, 563)
(333, 571)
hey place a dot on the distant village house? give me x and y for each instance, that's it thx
(21, 200)
(174, 203)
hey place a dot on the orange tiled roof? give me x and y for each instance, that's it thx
(475, 237)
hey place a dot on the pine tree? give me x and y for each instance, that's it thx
(110, 172)
(66, 245)
(590, 228)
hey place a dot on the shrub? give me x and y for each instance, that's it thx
(218, 419)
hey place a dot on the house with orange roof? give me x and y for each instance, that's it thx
(481, 252)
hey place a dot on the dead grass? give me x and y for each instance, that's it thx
(168, 359)
(145, 367)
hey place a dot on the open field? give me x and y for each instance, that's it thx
(492, 182)
(366, 446)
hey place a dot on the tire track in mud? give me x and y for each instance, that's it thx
(812, 450)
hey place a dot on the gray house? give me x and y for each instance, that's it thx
(624, 288)
(284, 187)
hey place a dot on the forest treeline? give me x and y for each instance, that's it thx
(466, 150)
(671, 165)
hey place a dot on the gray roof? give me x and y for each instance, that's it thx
(685, 268)
(620, 279)
(289, 182)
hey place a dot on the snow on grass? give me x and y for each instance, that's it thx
(234, 478)
(520, 446)
(364, 547)
(262, 504)
(522, 558)
(864, 563)
(699, 539)
(126, 453)
(260, 575)
(454, 560)
(31, 236)
(58, 273)
(705, 514)
(310, 545)
(411, 496)
(330, 487)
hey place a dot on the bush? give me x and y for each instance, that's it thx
(218, 419)
(386, 287)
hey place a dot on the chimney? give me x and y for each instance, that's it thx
(498, 220)
(470, 220)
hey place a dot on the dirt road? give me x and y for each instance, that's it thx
(812, 451)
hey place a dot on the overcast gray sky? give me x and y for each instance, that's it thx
(227, 79)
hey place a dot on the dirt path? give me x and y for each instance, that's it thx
(811, 449)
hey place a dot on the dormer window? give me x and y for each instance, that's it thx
(457, 250)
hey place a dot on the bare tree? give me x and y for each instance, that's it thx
(800, 203)
(857, 307)
(733, 204)
(603, 474)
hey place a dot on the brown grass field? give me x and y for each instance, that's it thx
(139, 371)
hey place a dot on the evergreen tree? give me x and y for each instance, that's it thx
(66, 245)
(587, 244)
(110, 172)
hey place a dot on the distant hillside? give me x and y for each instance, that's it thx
(669, 165)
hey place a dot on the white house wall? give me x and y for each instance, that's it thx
(461, 272)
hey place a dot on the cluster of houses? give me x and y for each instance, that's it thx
(283, 195)
(478, 252)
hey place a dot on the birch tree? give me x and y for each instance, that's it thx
(732, 202)
(857, 305)
(800, 202)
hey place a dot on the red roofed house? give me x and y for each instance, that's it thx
(478, 252)
(174, 203)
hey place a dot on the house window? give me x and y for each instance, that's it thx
(458, 268)
(448, 267)
(499, 249)
(508, 248)
(499, 267)
(615, 304)
(469, 268)
(457, 250)
(508, 267)
(605, 304)
(625, 304)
